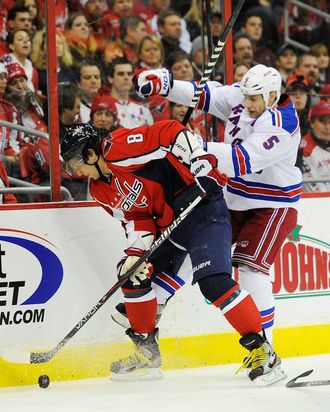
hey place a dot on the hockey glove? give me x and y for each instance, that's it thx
(143, 272)
(207, 176)
(151, 82)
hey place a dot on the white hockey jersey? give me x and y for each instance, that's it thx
(258, 155)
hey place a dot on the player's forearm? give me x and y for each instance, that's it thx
(182, 92)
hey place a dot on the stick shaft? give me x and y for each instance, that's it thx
(43, 357)
(213, 60)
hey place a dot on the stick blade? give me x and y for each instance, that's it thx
(16, 356)
(292, 383)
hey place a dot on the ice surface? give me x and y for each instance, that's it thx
(190, 390)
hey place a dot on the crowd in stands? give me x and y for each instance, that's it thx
(99, 45)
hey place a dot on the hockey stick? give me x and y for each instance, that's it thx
(294, 384)
(14, 356)
(214, 58)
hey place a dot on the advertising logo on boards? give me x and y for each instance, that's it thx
(302, 267)
(30, 274)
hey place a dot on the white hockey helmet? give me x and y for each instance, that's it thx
(262, 80)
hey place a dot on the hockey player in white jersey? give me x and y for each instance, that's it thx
(258, 153)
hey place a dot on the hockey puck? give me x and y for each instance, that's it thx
(43, 381)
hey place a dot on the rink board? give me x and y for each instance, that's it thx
(57, 262)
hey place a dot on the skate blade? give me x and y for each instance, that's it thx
(121, 320)
(143, 374)
(276, 375)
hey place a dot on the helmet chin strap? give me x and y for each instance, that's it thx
(103, 177)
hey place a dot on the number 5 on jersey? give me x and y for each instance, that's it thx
(269, 143)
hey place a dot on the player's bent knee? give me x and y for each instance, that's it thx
(215, 286)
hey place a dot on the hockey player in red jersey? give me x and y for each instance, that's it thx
(259, 152)
(144, 177)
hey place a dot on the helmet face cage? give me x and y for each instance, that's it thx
(76, 144)
(262, 80)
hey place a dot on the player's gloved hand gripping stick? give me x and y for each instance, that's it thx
(16, 356)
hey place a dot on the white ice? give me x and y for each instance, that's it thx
(194, 390)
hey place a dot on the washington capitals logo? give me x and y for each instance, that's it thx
(131, 195)
(107, 145)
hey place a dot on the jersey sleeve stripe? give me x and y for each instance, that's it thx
(275, 198)
(204, 100)
(267, 185)
(267, 312)
(241, 160)
(262, 191)
(160, 153)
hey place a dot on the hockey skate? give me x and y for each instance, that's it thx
(263, 363)
(144, 364)
(120, 316)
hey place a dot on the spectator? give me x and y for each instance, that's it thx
(130, 113)
(37, 21)
(19, 43)
(113, 49)
(80, 38)
(169, 27)
(119, 9)
(34, 153)
(132, 30)
(19, 19)
(309, 68)
(264, 9)
(6, 5)
(69, 101)
(152, 13)
(216, 26)
(321, 52)
(9, 138)
(243, 49)
(316, 149)
(103, 114)
(94, 11)
(239, 70)
(89, 82)
(253, 26)
(150, 53)
(325, 93)
(25, 101)
(193, 18)
(64, 60)
(286, 62)
(199, 56)
(298, 90)
(5, 198)
(180, 65)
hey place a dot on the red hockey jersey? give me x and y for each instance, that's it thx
(146, 177)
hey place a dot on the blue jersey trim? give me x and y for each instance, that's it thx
(247, 158)
(235, 161)
(268, 324)
(267, 311)
(266, 186)
(164, 285)
(263, 197)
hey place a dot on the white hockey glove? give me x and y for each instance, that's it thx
(207, 175)
(151, 82)
(142, 273)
